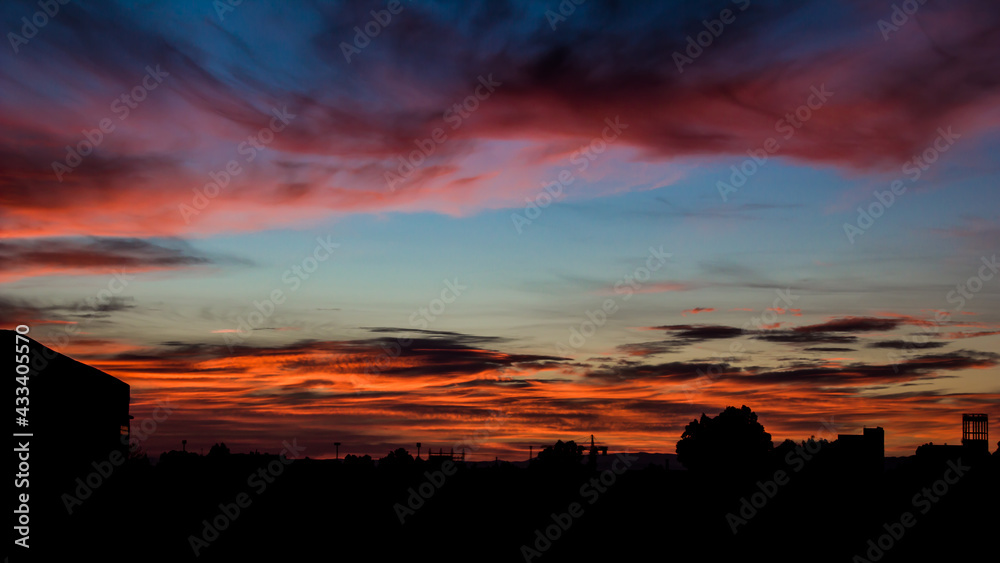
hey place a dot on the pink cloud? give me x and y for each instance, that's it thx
(697, 310)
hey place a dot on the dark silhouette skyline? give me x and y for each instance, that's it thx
(730, 485)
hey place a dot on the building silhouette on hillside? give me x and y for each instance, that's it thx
(865, 451)
(975, 441)
(976, 431)
(78, 413)
(76, 428)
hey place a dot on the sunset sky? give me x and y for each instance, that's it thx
(506, 223)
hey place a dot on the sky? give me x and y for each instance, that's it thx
(499, 224)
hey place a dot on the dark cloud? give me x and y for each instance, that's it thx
(670, 371)
(443, 334)
(445, 354)
(793, 337)
(651, 348)
(701, 333)
(905, 345)
(683, 335)
(433, 357)
(808, 373)
(852, 324)
(98, 255)
(922, 367)
(98, 308)
(830, 332)
(42, 312)
(18, 310)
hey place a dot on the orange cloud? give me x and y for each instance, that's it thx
(697, 310)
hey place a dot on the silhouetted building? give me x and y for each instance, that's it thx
(442, 455)
(76, 427)
(594, 449)
(975, 442)
(78, 412)
(976, 432)
(866, 451)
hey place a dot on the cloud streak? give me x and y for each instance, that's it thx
(354, 120)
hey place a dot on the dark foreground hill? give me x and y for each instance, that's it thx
(255, 507)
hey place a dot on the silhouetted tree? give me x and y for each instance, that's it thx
(731, 442)
(560, 454)
(924, 449)
(397, 458)
(136, 456)
(363, 461)
(219, 449)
